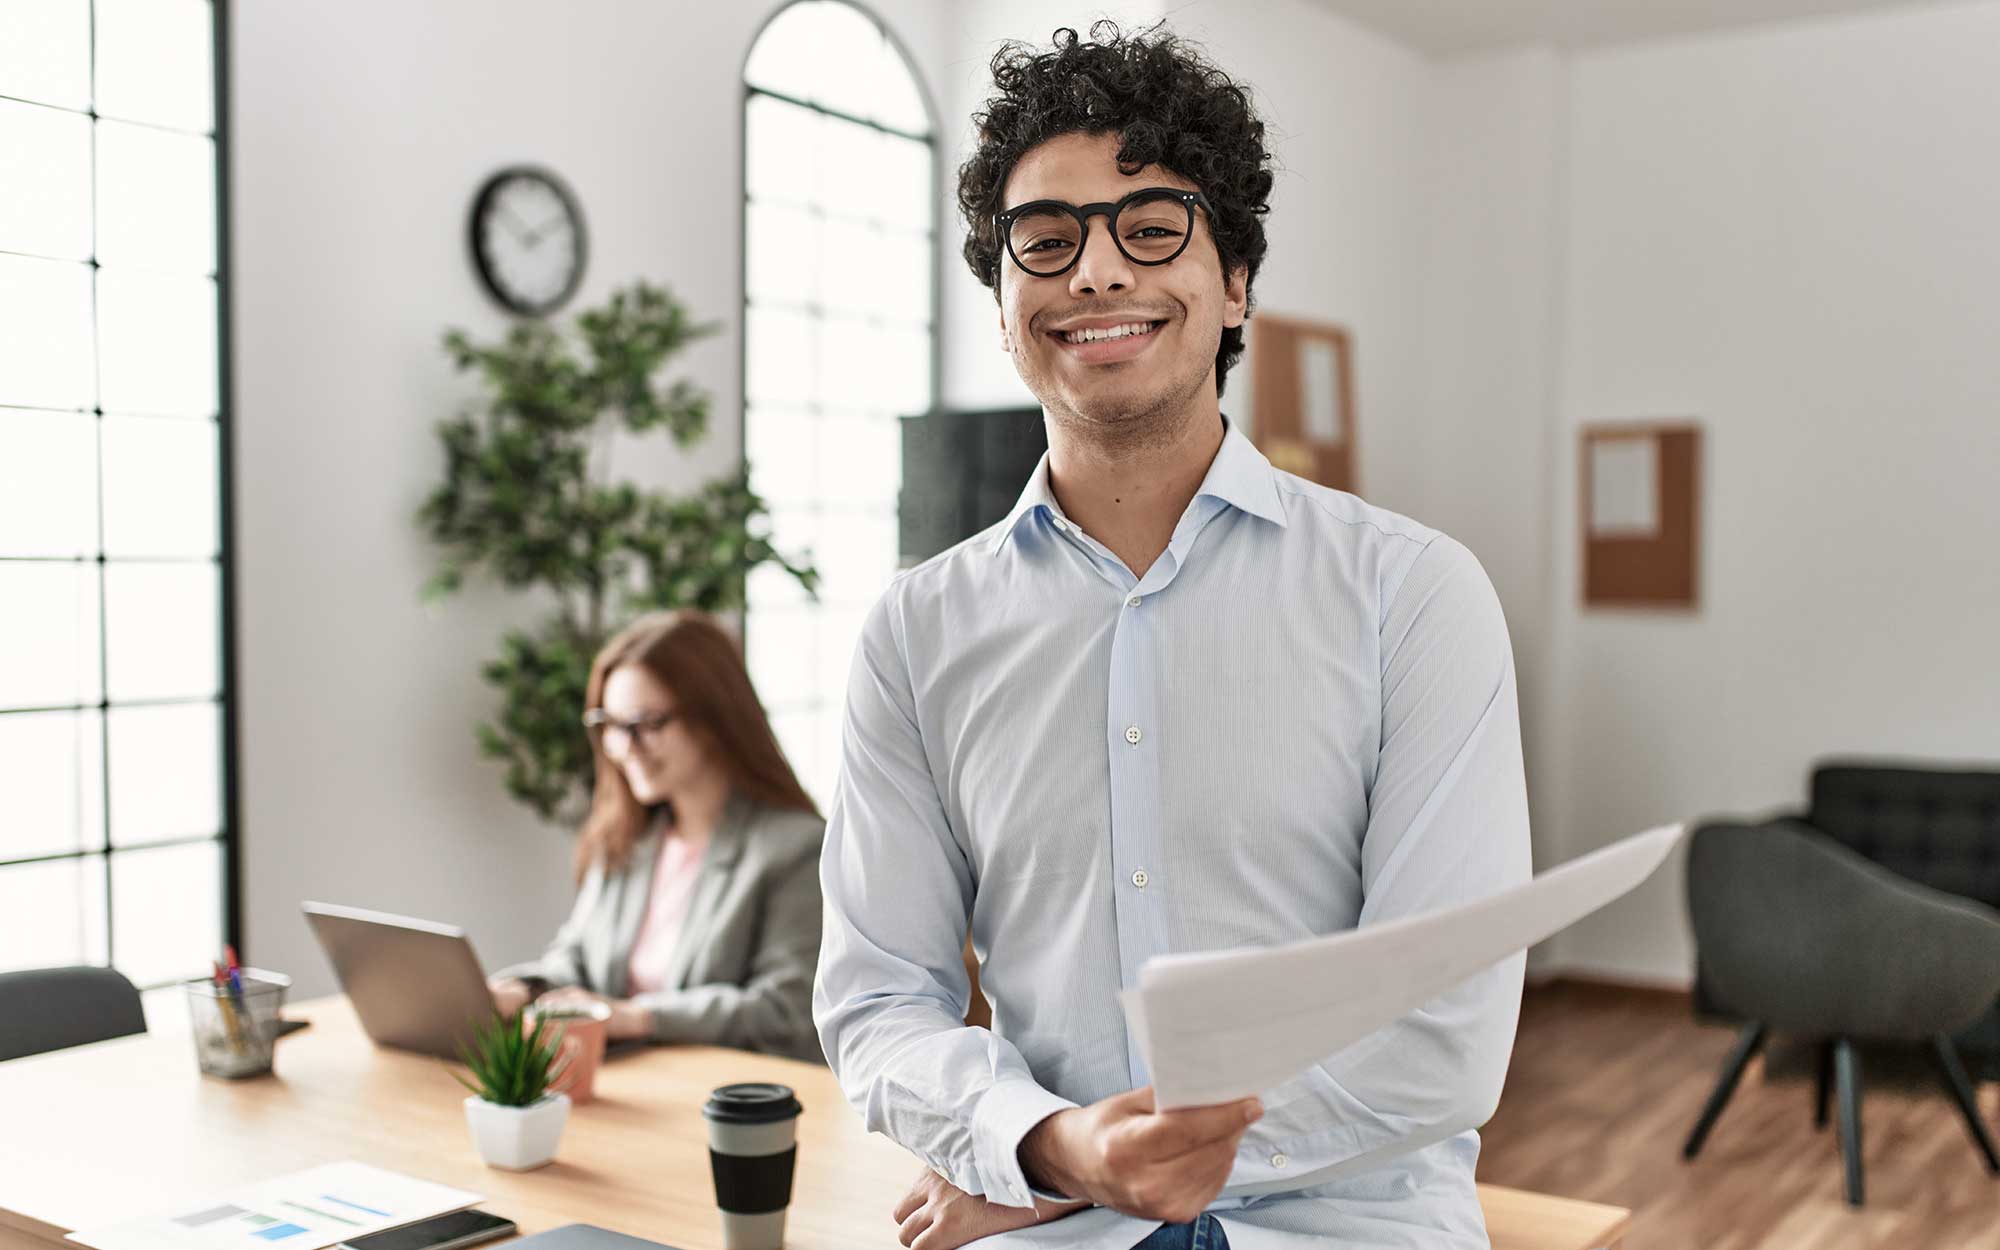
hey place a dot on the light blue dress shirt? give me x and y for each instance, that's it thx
(1302, 719)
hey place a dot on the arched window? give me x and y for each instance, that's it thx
(840, 281)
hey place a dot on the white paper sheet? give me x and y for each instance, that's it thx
(1223, 1025)
(306, 1210)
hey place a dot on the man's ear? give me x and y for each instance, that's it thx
(1236, 297)
(1005, 345)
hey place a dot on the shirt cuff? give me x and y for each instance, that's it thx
(1003, 1117)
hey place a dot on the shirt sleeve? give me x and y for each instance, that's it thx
(891, 993)
(1447, 824)
(562, 962)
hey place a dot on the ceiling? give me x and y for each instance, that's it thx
(1445, 26)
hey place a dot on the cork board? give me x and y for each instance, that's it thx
(1641, 514)
(1302, 398)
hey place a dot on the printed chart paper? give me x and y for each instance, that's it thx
(306, 1210)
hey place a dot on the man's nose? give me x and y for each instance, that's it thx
(1102, 267)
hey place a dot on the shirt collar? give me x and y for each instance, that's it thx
(1240, 476)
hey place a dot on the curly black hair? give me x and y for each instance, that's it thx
(1169, 105)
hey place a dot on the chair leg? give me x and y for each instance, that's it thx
(1748, 1042)
(1823, 1085)
(1847, 1075)
(1968, 1103)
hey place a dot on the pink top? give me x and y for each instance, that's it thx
(674, 873)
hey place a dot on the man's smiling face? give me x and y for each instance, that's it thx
(1133, 380)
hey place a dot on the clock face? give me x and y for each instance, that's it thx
(527, 240)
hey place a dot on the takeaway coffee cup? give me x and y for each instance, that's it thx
(752, 1145)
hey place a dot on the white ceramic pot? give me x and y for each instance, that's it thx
(517, 1138)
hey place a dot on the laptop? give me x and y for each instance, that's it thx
(415, 984)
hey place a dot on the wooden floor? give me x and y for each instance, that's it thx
(1606, 1083)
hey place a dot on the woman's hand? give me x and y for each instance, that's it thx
(937, 1215)
(628, 1019)
(510, 994)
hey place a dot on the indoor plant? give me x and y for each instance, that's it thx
(516, 1122)
(529, 495)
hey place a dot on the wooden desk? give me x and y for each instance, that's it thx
(128, 1128)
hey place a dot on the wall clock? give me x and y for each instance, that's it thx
(528, 240)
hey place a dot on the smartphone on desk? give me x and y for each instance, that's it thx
(440, 1232)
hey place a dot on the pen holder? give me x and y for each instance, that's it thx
(234, 1029)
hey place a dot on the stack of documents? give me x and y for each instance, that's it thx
(1223, 1025)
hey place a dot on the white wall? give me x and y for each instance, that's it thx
(1482, 441)
(1788, 235)
(361, 133)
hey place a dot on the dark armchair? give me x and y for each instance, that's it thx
(1800, 930)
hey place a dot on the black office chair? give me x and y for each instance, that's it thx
(46, 1009)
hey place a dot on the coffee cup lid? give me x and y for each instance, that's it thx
(752, 1102)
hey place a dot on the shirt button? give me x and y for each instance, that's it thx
(1139, 878)
(1278, 1161)
(1133, 602)
(1132, 734)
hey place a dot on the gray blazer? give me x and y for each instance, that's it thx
(742, 973)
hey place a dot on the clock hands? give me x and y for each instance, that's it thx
(535, 235)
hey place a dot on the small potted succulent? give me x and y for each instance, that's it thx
(515, 1120)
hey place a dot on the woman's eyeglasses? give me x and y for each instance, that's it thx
(616, 737)
(1151, 226)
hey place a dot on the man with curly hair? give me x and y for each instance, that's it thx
(1177, 700)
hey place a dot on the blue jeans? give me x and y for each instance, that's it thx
(1204, 1234)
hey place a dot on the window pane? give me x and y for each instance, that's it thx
(45, 51)
(784, 58)
(156, 333)
(153, 62)
(782, 446)
(51, 772)
(781, 144)
(780, 364)
(45, 197)
(839, 631)
(55, 913)
(48, 483)
(861, 461)
(783, 248)
(770, 586)
(851, 168)
(798, 733)
(45, 356)
(853, 265)
(161, 490)
(904, 358)
(780, 656)
(857, 557)
(166, 772)
(164, 634)
(905, 196)
(875, 369)
(898, 102)
(155, 198)
(900, 288)
(848, 48)
(166, 911)
(48, 635)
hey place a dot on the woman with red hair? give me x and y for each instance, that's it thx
(697, 915)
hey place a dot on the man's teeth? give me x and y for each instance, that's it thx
(1110, 332)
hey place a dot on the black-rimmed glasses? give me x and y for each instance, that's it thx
(1151, 226)
(616, 737)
